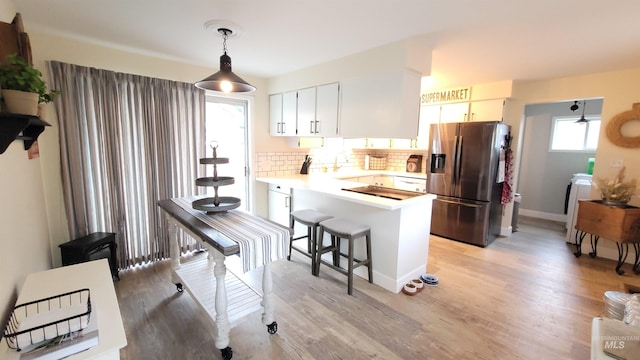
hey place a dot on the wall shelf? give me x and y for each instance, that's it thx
(19, 127)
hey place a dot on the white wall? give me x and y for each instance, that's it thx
(618, 90)
(24, 243)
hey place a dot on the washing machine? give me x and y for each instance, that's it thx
(580, 190)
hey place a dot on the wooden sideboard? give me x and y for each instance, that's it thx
(619, 224)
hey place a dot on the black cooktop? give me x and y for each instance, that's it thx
(385, 192)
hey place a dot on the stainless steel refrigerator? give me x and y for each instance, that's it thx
(466, 172)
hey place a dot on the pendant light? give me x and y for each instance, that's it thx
(575, 106)
(582, 119)
(225, 80)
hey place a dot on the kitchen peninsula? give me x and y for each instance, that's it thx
(399, 228)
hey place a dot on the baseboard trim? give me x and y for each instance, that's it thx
(543, 215)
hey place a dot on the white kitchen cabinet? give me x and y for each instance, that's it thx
(279, 123)
(310, 112)
(486, 110)
(410, 184)
(279, 204)
(458, 112)
(327, 109)
(275, 115)
(307, 112)
(318, 110)
(289, 113)
(385, 105)
(383, 180)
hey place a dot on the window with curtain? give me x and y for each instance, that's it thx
(126, 142)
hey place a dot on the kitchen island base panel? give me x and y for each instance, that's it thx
(400, 237)
(381, 279)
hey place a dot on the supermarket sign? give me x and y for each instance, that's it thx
(446, 96)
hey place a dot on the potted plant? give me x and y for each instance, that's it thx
(616, 192)
(23, 87)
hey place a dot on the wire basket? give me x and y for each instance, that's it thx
(37, 322)
(377, 162)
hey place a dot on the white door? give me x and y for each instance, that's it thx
(227, 124)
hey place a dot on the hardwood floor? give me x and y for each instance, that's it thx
(523, 297)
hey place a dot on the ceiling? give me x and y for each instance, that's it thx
(474, 41)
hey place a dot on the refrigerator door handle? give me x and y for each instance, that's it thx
(460, 203)
(457, 160)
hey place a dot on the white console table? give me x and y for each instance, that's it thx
(96, 276)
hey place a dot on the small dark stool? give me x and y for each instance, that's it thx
(94, 246)
(344, 229)
(311, 219)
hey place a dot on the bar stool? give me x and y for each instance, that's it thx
(311, 219)
(344, 229)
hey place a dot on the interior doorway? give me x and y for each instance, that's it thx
(546, 167)
(227, 124)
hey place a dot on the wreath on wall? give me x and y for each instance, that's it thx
(614, 128)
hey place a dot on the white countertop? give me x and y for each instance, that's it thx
(330, 184)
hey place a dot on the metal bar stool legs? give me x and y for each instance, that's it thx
(342, 229)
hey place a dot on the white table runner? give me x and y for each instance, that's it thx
(260, 241)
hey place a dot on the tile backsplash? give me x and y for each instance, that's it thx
(328, 160)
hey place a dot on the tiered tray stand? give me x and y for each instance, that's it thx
(216, 203)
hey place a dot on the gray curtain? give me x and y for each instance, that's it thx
(126, 141)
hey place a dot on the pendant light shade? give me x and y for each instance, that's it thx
(225, 80)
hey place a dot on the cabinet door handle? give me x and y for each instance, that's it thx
(317, 126)
(284, 128)
(287, 201)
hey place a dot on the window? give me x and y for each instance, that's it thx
(567, 135)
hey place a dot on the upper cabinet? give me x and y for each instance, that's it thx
(385, 105)
(457, 112)
(486, 110)
(327, 109)
(290, 113)
(306, 112)
(282, 114)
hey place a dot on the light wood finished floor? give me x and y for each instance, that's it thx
(523, 297)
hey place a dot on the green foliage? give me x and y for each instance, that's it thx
(17, 74)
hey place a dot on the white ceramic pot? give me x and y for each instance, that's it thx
(20, 102)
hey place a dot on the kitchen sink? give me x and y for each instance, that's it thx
(384, 192)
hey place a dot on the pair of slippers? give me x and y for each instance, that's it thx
(416, 285)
